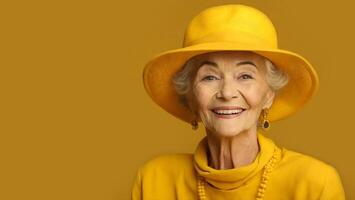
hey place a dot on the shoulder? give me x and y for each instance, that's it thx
(305, 163)
(168, 165)
(307, 172)
(167, 160)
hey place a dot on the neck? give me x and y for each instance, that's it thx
(232, 152)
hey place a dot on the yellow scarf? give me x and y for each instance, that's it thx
(232, 178)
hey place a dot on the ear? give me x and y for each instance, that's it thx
(270, 96)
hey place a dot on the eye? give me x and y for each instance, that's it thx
(246, 76)
(209, 78)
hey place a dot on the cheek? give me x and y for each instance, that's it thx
(203, 95)
(254, 96)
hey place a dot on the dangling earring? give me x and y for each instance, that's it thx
(265, 124)
(194, 124)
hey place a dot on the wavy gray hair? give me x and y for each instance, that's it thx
(182, 80)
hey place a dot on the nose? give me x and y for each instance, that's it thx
(228, 90)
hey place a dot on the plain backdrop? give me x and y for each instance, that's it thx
(76, 122)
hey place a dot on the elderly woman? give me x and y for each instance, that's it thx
(231, 77)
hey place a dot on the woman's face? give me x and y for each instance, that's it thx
(229, 91)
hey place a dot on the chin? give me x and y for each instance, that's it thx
(230, 132)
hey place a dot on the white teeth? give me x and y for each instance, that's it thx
(228, 112)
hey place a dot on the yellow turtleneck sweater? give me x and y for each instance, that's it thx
(295, 177)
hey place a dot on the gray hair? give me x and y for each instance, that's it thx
(182, 80)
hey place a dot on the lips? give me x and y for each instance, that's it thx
(228, 111)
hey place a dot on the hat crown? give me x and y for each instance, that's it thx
(231, 23)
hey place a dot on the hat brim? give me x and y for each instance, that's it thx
(303, 79)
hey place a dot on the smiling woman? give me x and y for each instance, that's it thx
(231, 77)
(182, 80)
(229, 85)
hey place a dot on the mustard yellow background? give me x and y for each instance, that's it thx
(76, 122)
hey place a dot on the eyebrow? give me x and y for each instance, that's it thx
(213, 64)
(246, 62)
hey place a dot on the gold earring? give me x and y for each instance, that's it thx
(194, 124)
(265, 124)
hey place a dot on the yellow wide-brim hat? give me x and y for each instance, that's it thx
(232, 27)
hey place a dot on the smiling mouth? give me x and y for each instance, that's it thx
(228, 113)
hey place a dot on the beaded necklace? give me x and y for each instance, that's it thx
(264, 178)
